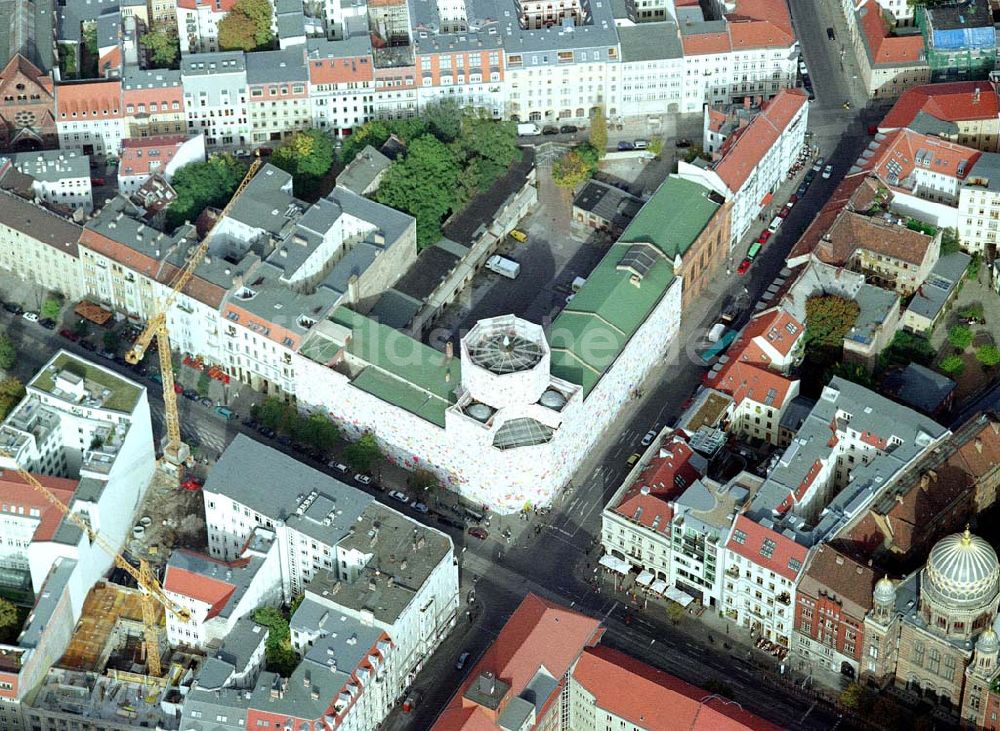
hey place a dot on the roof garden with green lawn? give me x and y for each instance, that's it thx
(123, 395)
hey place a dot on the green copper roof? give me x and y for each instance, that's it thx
(400, 370)
(593, 330)
(674, 217)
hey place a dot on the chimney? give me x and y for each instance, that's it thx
(449, 350)
(975, 95)
(979, 445)
(352, 289)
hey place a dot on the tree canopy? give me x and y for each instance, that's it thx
(9, 620)
(281, 658)
(960, 337)
(247, 27)
(988, 355)
(828, 319)
(598, 135)
(364, 454)
(8, 354)
(11, 393)
(162, 46)
(51, 309)
(307, 155)
(423, 184)
(203, 184)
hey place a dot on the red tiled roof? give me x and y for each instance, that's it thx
(777, 328)
(213, 592)
(706, 44)
(744, 380)
(841, 576)
(17, 494)
(538, 633)
(747, 146)
(752, 24)
(89, 100)
(855, 190)
(785, 549)
(665, 478)
(955, 102)
(886, 49)
(652, 699)
(901, 148)
(138, 153)
(341, 70)
(216, 6)
(979, 456)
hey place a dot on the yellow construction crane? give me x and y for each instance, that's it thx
(174, 450)
(151, 589)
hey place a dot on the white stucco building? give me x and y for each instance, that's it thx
(59, 177)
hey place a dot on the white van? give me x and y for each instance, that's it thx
(716, 332)
(577, 284)
(775, 223)
(641, 144)
(528, 129)
(503, 266)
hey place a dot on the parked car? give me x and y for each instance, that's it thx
(47, 323)
(363, 479)
(462, 659)
(648, 438)
(264, 151)
(191, 395)
(284, 440)
(97, 181)
(69, 335)
(399, 497)
(178, 388)
(641, 144)
(421, 508)
(411, 702)
(30, 316)
(764, 236)
(480, 533)
(624, 146)
(87, 345)
(225, 413)
(802, 189)
(445, 520)
(786, 210)
(682, 143)
(337, 466)
(827, 172)
(810, 176)
(550, 130)
(633, 458)
(518, 235)
(744, 266)
(13, 308)
(818, 165)
(191, 483)
(206, 401)
(568, 129)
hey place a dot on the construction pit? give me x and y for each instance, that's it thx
(170, 517)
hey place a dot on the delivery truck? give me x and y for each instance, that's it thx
(503, 266)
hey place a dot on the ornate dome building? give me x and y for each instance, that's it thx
(959, 585)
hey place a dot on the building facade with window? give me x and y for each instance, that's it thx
(215, 98)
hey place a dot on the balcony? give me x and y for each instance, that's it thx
(784, 598)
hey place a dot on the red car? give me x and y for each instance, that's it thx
(69, 335)
(97, 181)
(793, 198)
(744, 266)
(786, 210)
(191, 483)
(178, 388)
(764, 236)
(480, 533)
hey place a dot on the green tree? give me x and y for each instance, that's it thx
(953, 365)
(318, 431)
(203, 184)
(51, 309)
(271, 412)
(656, 146)
(307, 154)
(828, 319)
(907, 347)
(950, 243)
(444, 119)
(67, 60)
(988, 355)
(373, 133)
(598, 135)
(960, 337)
(423, 184)
(571, 170)
(675, 612)
(163, 47)
(364, 454)
(8, 354)
(90, 38)
(281, 658)
(11, 393)
(10, 621)
(853, 372)
(247, 26)
(853, 697)
(424, 481)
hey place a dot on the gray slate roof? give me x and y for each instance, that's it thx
(40, 223)
(265, 67)
(932, 295)
(650, 42)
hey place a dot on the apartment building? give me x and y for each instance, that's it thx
(197, 24)
(90, 118)
(278, 103)
(147, 156)
(649, 80)
(754, 159)
(833, 597)
(59, 178)
(219, 594)
(890, 61)
(216, 98)
(154, 102)
(337, 536)
(342, 86)
(979, 205)
(964, 112)
(40, 246)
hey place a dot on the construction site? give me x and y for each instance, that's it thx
(102, 677)
(169, 518)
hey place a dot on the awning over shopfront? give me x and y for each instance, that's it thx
(615, 564)
(768, 197)
(645, 578)
(659, 586)
(678, 596)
